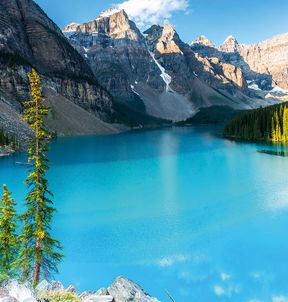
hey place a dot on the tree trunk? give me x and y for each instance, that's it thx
(37, 264)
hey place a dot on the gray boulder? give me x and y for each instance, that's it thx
(43, 286)
(124, 290)
(57, 286)
(72, 290)
(12, 291)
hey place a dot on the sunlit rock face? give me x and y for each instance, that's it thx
(117, 53)
(202, 40)
(265, 63)
(164, 39)
(185, 65)
(269, 57)
(230, 45)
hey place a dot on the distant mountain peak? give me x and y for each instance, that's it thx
(164, 38)
(71, 27)
(230, 38)
(203, 40)
(230, 44)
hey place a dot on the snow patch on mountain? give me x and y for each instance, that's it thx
(279, 91)
(253, 86)
(164, 75)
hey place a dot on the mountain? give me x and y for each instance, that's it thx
(117, 53)
(155, 72)
(28, 38)
(264, 65)
(106, 76)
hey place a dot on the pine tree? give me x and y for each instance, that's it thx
(9, 244)
(40, 253)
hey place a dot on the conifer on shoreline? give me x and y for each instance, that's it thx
(40, 253)
(9, 242)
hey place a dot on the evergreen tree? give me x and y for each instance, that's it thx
(270, 124)
(9, 244)
(2, 137)
(40, 253)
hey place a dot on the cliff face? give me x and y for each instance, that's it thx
(117, 53)
(264, 64)
(269, 57)
(155, 72)
(183, 63)
(28, 38)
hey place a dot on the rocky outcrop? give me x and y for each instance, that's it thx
(14, 291)
(264, 64)
(124, 290)
(189, 71)
(28, 38)
(121, 290)
(269, 57)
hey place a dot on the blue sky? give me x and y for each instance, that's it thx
(248, 20)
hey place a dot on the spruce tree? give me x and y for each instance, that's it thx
(9, 244)
(40, 253)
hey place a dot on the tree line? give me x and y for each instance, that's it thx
(27, 249)
(264, 124)
(9, 140)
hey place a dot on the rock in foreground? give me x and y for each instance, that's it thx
(121, 290)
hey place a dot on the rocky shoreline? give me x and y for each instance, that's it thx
(6, 151)
(121, 290)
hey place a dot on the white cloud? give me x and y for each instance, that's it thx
(218, 290)
(225, 276)
(148, 12)
(181, 258)
(226, 291)
(169, 261)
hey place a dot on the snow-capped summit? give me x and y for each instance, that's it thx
(230, 44)
(229, 38)
(72, 27)
(110, 12)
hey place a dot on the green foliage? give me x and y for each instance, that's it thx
(264, 124)
(9, 243)
(9, 140)
(3, 277)
(58, 296)
(40, 253)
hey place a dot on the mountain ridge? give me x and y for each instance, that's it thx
(114, 47)
(268, 58)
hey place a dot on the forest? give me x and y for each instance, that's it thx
(263, 124)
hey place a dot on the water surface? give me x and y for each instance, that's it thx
(179, 208)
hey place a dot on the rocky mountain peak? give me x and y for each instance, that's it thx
(202, 40)
(163, 38)
(230, 44)
(71, 27)
(113, 23)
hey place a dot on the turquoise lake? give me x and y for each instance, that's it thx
(177, 208)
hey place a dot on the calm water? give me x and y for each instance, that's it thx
(179, 208)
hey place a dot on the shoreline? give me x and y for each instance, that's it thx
(121, 290)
